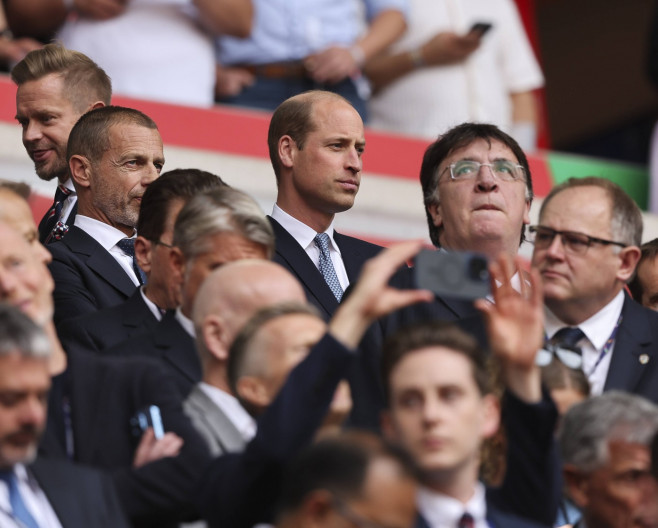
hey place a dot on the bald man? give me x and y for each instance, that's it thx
(226, 300)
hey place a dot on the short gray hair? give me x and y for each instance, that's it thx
(222, 210)
(19, 334)
(589, 427)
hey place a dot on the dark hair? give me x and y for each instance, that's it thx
(625, 215)
(294, 118)
(90, 135)
(556, 375)
(175, 185)
(436, 334)
(339, 465)
(455, 139)
(84, 81)
(21, 189)
(649, 252)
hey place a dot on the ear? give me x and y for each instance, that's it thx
(435, 213)
(628, 259)
(315, 509)
(526, 213)
(491, 416)
(80, 168)
(252, 390)
(577, 485)
(287, 149)
(97, 104)
(143, 250)
(214, 337)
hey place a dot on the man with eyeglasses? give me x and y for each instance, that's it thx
(586, 249)
(161, 203)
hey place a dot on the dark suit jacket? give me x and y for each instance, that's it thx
(172, 346)
(634, 362)
(239, 490)
(364, 377)
(213, 425)
(79, 496)
(87, 278)
(531, 489)
(105, 393)
(98, 331)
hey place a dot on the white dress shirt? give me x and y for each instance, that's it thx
(231, 407)
(34, 498)
(305, 236)
(69, 202)
(597, 330)
(186, 323)
(108, 236)
(151, 305)
(441, 511)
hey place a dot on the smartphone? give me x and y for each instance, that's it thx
(456, 274)
(148, 417)
(480, 28)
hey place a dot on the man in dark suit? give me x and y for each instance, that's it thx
(212, 229)
(586, 249)
(229, 297)
(93, 401)
(161, 203)
(441, 408)
(41, 492)
(55, 87)
(114, 154)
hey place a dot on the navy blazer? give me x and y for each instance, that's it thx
(98, 331)
(79, 496)
(87, 278)
(495, 519)
(105, 393)
(171, 346)
(634, 361)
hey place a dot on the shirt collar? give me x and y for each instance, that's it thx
(106, 235)
(151, 305)
(442, 510)
(69, 185)
(597, 328)
(186, 323)
(303, 234)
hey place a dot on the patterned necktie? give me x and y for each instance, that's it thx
(466, 521)
(569, 336)
(127, 245)
(52, 222)
(327, 267)
(19, 510)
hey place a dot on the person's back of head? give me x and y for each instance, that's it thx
(644, 284)
(354, 478)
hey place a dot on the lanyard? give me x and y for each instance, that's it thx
(606, 348)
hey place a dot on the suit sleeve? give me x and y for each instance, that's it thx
(532, 485)
(160, 492)
(239, 490)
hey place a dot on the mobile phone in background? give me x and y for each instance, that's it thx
(148, 417)
(456, 274)
(480, 28)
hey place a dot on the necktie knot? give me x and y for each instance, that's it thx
(61, 193)
(466, 521)
(569, 336)
(326, 266)
(127, 245)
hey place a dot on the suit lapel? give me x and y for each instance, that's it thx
(99, 260)
(63, 502)
(222, 429)
(632, 353)
(136, 314)
(293, 257)
(177, 347)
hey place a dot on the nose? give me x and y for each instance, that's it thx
(556, 248)
(32, 131)
(150, 175)
(486, 180)
(431, 410)
(33, 412)
(353, 161)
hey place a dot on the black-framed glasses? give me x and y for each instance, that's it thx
(542, 237)
(164, 244)
(349, 514)
(570, 356)
(503, 170)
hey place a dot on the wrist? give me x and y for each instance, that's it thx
(417, 58)
(358, 55)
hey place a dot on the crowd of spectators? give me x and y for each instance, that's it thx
(172, 356)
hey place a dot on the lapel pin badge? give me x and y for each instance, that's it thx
(644, 359)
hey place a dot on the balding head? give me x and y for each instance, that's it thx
(227, 299)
